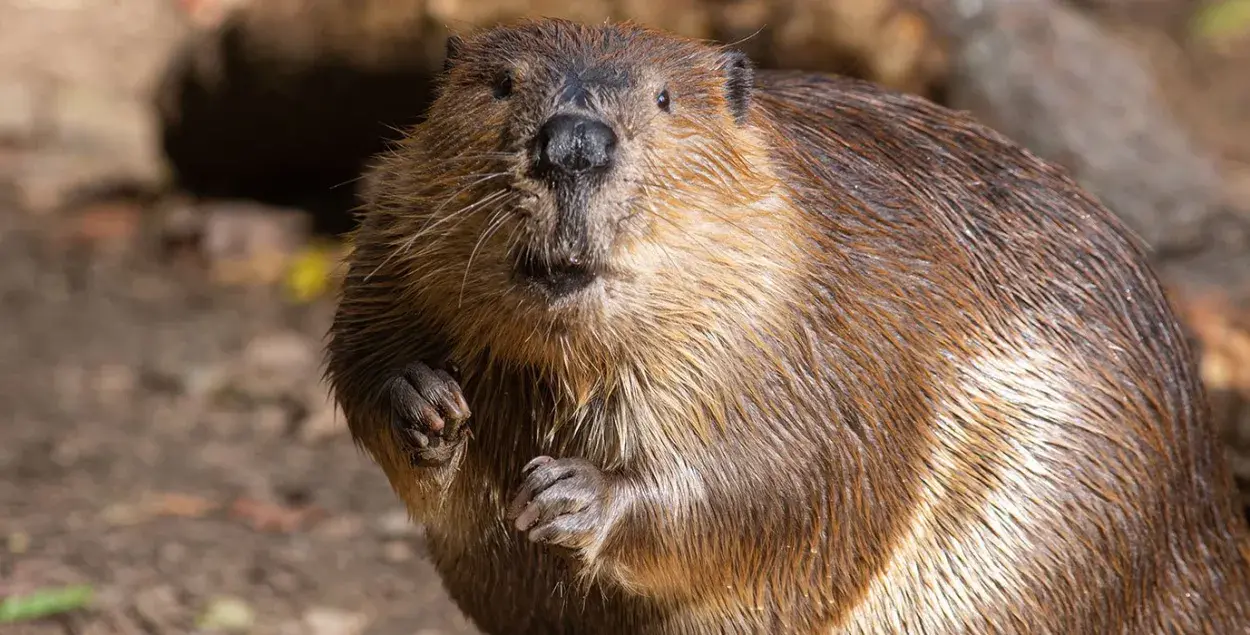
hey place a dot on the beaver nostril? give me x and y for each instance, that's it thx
(570, 145)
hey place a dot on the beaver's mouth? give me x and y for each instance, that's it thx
(557, 278)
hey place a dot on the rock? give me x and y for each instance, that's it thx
(397, 551)
(76, 78)
(227, 614)
(19, 107)
(325, 419)
(122, 126)
(889, 39)
(112, 225)
(1062, 86)
(397, 524)
(331, 621)
(159, 605)
(115, 384)
(250, 244)
(54, 177)
(282, 352)
(276, 368)
(18, 542)
(270, 420)
(173, 376)
(345, 527)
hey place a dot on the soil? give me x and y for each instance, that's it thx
(168, 440)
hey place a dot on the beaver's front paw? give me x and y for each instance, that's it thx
(562, 502)
(428, 411)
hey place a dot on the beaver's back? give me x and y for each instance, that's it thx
(977, 252)
(890, 178)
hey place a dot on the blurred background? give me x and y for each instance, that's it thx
(174, 176)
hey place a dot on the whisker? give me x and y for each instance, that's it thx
(350, 181)
(744, 39)
(433, 214)
(491, 228)
(495, 199)
(487, 156)
(513, 238)
(399, 130)
(431, 226)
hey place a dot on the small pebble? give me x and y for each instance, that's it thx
(18, 542)
(396, 524)
(158, 605)
(280, 352)
(19, 109)
(227, 614)
(329, 621)
(340, 528)
(397, 551)
(324, 421)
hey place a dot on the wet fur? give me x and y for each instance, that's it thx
(866, 367)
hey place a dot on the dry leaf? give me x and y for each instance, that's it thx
(312, 272)
(263, 516)
(153, 506)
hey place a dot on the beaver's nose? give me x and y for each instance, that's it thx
(570, 144)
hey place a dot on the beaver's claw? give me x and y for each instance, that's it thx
(562, 502)
(428, 411)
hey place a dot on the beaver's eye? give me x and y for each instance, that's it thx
(503, 85)
(663, 100)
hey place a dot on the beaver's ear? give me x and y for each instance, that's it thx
(739, 82)
(454, 43)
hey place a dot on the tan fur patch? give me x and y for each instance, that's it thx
(969, 558)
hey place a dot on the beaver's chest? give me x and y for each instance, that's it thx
(511, 586)
(508, 585)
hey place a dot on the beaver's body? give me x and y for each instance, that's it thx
(814, 357)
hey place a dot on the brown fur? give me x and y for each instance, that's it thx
(858, 365)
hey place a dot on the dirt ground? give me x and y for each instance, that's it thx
(168, 441)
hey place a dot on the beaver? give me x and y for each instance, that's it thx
(653, 341)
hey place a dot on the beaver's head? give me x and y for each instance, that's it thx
(575, 180)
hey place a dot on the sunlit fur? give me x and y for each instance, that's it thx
(857, 365)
